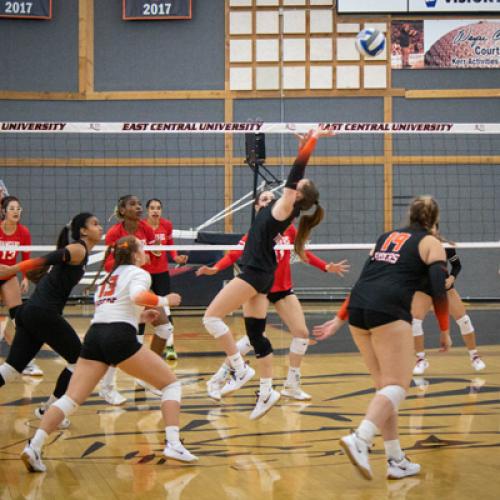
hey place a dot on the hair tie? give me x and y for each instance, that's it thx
(123, 245)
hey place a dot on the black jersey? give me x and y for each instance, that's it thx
(264, 232)
(392, 274)
(54, 288)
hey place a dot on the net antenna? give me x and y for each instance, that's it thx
(255, 148)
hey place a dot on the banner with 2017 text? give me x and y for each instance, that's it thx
(445, 44)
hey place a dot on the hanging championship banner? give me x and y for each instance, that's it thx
(32, 9)
(146, 10)
(450, 44)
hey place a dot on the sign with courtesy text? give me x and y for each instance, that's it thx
(146, 10)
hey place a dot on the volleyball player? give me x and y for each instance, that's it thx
(14, 233)
(159, 271)
(380, 323)
(112, 340)
(284, 300)
(420, 307)
(255, 282)
(129, 212)
(40, 321)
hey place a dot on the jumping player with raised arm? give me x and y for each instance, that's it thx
(40, 321)
(285, 302)
(256, 280)
(112, 340)
(380, 323)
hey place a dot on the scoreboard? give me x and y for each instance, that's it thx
(156, 9)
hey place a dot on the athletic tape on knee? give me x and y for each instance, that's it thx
(465, 325)
(172, 392)
(71, 367)
(66, 405)
(163, 331)
(215, 326)
(243, 345)
(8, 373)
(299, 345)
(255, 328)
(394, 393)
(416, 327)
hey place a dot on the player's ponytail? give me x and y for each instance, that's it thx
(123, 251)
(310, 198)
(73, 228)
(423, 213)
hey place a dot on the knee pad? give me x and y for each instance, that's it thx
(394, 393)
(243, 345)
(215, 326)
(8, 373)
(255, 328)
(465, 325)
(71, 367)
(12, 312)
(163, 331)
(172, 392)
(416, 327)
(299, 345)
(66, 405)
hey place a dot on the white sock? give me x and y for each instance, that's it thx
(140, 339)
(393, 450)
(293, 377)
(237, 362)
(266, 386)
(170, 340)
(108, 380)
(473, 353)
(244, 345)
(421, 355)
(38, 440)
(221, 373)
(172, 434)
(367, 430)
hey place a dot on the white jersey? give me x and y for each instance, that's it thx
(113, 299)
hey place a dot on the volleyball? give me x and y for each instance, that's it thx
(370, 42)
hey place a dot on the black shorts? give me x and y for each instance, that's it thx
(274, 297)
(160, 283)
(260, 280)
(368, 319)
(110, 343)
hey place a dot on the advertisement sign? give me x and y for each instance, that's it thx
(452, 44)
(452, 6)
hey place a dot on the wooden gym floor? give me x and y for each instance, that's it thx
(450, 424)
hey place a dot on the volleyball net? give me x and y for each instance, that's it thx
(367, 174)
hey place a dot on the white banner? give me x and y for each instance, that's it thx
(246, 127)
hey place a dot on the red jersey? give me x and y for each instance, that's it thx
(163, 234)
(21, 236)
(283, 273)
(144, 233)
